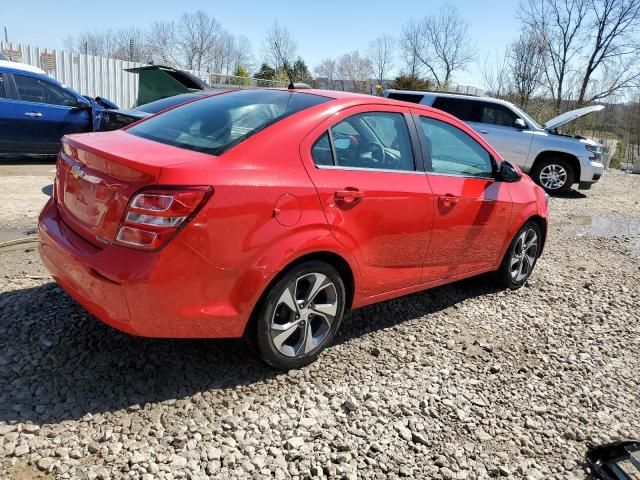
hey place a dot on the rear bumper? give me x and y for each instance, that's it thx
(171, 293)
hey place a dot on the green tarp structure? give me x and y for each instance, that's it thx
(157, 81)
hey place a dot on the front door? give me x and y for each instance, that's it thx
(44, 113)
(471, 209)
(376, 200)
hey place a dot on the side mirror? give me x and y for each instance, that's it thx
(520, 123)
(81, 106)
(508, 173)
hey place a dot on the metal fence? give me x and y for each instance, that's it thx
(106, 77)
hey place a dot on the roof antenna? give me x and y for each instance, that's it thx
(292, 84)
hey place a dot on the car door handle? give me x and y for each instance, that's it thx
(33, 114)
(484, 132)
(348, 196)
(448, 200)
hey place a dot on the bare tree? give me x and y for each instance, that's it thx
(356, 69)
(526, 58)
(327, 72)
(163, 44)
(495, 74)
(411, 43)
(198, 36)
(560, 23)
(441, 44)
(615, 49)
(279, 47)
(381, 56)
(242, 54)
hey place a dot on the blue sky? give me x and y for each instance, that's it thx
(322, 29)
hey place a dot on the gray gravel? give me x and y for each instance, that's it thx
(462, 382)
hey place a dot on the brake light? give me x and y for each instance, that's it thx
(153, 217)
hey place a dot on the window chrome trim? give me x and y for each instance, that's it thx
(460, 175)
(364, 169)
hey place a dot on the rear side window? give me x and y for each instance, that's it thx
(321, 151)
(35, 90)
(406, 97)
(215, 124)
(495, 114)
(458, 107)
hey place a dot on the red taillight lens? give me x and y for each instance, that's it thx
(153, 217)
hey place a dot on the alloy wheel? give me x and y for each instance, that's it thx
(524, 255)
(553, 176)
(304, 314)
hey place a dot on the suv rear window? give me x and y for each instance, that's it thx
(406, 97)
(458, 107)
(215, 124)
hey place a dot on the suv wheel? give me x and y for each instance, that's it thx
(521, 256)
(555, 175)
(299, 316)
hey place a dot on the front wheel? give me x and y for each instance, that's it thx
(521, 257)
(555, 175)
(300, 315)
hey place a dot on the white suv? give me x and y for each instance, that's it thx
(554, 161)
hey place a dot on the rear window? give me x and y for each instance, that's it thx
(164, 103)
(215, 124)
(406, 97)
(463, 109)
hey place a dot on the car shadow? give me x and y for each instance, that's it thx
(570, 194)
(59, 363)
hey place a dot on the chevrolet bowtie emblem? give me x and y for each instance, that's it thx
(77, 172)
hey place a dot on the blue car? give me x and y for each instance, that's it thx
(36, 111)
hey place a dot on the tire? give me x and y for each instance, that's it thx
(516, 268)
(555, 175)
(289, 334)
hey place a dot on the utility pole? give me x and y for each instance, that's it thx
(6, 36)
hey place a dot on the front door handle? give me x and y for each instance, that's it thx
(448, 200)
(33, 114)
(484, 132)
(348, 196)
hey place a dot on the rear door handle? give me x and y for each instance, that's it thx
(348, 196)
(33, 114)
(448, 200)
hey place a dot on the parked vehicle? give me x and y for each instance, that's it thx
(36, 111)
(113, 119)
(553, 160)
(268, 213)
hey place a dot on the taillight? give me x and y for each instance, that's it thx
(154, 216)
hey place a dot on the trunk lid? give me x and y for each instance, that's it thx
(571, 116)
(97, 173)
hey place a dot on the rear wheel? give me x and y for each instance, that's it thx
(300, 315)
(521, 256)
(555, 175)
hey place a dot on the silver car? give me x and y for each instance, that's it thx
(554, 161)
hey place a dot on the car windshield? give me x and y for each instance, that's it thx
(164, 103)
(215, 124)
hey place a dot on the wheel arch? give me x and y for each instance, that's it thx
(335, 260)
(572, 159)
(542, 223)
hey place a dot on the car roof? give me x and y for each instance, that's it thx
(461, 96)
(22, 67)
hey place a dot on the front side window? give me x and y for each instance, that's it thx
(373, 140)
(458, 107)
(453, 152)
(215, 124)
(31, 89)
(495, 114)
(3, 90)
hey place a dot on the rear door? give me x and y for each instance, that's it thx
(460, 107)
(496, 124)
(7, 117)
(44, 112)
(471, 209)
(365, 165)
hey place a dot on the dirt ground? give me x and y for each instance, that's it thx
(466, 381)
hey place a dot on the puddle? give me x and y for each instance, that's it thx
(606, 226)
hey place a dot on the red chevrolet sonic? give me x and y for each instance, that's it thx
(268, 213)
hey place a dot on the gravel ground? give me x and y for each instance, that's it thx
(462, 382)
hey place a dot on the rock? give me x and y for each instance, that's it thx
(295, 443)
(178, 461)
(21, 450)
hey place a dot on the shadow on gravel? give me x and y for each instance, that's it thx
(570, 194)
(58, 363)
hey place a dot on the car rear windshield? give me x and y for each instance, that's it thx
(215, 124)
(164, 103)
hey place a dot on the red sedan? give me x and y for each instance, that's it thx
(269, 213)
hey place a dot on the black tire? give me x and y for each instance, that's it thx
(543, 170)
(274, 312)
(505, 275)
